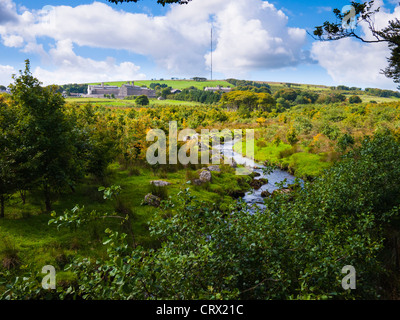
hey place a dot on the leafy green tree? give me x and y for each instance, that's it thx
(46, 134)
(355, 99)
(295, 248)
(162, 2)
(291, 137)
(266, 102)
(365, 12)
(345, 141)
(142, 100)
(287, 94)
(165, 92)
(8, 143)
(94, 141)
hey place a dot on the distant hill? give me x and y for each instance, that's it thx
(175, 84)
(367, 95)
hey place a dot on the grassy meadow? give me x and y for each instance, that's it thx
(175, 84)
(309, 139)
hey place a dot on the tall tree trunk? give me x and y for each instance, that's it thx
(47, 198)
(22, 193)
(2, 210)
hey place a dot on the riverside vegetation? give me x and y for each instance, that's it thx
(74, 176)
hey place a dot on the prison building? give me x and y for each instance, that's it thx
(218, 88)
(129, 89)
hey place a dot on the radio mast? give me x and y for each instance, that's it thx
(211, 53)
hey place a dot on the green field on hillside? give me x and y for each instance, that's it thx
(175, 84)
(128, 103)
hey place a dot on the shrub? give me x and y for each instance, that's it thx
(10, 255)
(355, 99)
(158, 191)
(261, 144)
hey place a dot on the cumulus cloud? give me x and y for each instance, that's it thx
(7, 12)
(72, 68)
(13, 41)
(351, 62)
(253, 34)
(6, 73)
(249, 34)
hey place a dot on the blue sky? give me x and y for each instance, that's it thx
(90, 41)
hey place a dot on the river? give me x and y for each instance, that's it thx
(254, 197)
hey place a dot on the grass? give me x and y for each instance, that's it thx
(269, 153)
(298, 162)
(129, 103)
(33, 243)
(175, 84)
(155, 102)
(369, 98)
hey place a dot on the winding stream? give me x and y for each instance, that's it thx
(254, 197)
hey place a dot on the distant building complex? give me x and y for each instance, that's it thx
(218, 88)
(5, 91)
(126, 90)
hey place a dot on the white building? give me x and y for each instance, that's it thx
(98, 91)
(218, 88)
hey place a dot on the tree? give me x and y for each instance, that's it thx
(291, 137)
(162, 2)
(142, 100)
(355, 99)
(345, 141)
(47, 138)
(7, 155)
(165, 92)
(364, 13)
(287, 94)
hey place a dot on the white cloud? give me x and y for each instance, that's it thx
(13, 41)
(253, 34)
(72, 68)
(8, 12)
(6, 73)
(249, 34)
(351, 62)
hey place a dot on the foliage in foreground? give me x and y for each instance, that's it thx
(294, 249)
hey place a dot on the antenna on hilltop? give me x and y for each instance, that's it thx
(211, 53)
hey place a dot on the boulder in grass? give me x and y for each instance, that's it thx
(233, 164)
(265, 194)
(197, 182)
(255, 175)
(258, 183)
(214, 169)
(205, 176)
(217, 158)
(281, 191)
(152, 200)
(160, 183)
(236, 194)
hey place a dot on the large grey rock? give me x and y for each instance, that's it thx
(217, 158)
(214, 169)
(152, 200)
(160, 183)
(281, 191)
(197, 182)
(258, 183)
(233, 164)
(205, 176)
(265, 194)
